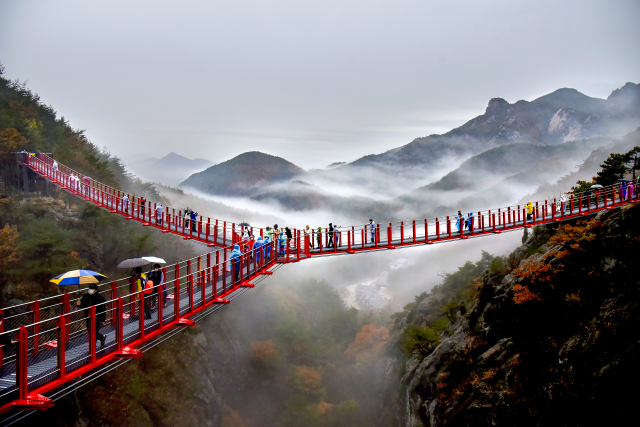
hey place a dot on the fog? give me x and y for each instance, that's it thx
(420, 270)
(313, 83)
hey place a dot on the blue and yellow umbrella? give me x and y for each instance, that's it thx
(78, 277)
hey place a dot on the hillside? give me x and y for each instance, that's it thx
(547, 336)
(244, 175)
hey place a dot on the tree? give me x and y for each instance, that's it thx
(613, 169)
(632, 160)
(11, 140)
(9, 251)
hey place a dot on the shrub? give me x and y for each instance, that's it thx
(420, 341)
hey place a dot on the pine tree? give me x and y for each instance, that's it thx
(612, 169)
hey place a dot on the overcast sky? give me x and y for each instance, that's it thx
(314, 82)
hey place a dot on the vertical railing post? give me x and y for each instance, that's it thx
(1, 331)
(414, 231)
(216, 267)
(215, 233)
(160, 306)
(22, 365)
(119, 324)
(35, 308)
(224, 271)
(65, 311)
(92, 333)
(448, 226)
(437, 229)
(142, 314)
(203, 298)
(389, 235)
(176, 292)
(426, 231)
(208, 267)
(401, 232)
(114, 295)
(190, 291)
(62, 334)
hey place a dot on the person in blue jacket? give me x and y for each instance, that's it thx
(470, 221)
(194, 217)
(236, 258)
(266, 244)
(257, 248)
(459, 222)
(281, 241)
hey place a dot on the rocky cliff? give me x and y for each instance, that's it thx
(547, 336)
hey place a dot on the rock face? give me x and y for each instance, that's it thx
(553, 339)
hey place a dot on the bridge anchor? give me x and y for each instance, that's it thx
(129, 353)
(32, 402)
(184, 322)
(247, 285)
(220, 301)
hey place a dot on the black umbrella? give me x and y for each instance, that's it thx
(244, 224)
(623, 180)
(133, 262)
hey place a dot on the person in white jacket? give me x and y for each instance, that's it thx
(563, 202)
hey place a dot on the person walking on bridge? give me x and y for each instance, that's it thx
(159, 215)
(460, 222)
(142, 202)
(194, 219)
(319, 237)
(372, 230)
(281, 242)
(529, 207)
(236, 260)
(257, 247)
(330, 243)
(266, 244)
(307, 235)
(125, 204)
(93, 298)
(470, 219)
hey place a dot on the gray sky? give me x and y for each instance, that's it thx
(314, 83)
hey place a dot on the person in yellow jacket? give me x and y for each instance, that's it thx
(529, 207)
(137, 281)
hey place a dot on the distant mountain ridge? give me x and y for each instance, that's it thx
(170, 170)
(243, 175)
(551, 120)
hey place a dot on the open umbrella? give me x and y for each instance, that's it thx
(623, 180)
(244, 224)
(596, 186)
(154, 260)
(133, 262)
(78, 277)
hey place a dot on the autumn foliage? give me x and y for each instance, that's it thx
(369, 339)
(523, 294)
(308, 378)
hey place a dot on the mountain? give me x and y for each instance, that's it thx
(560, 116)
(244, 175)
(170, 170)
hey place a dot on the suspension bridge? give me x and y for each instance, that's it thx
(51, 348)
